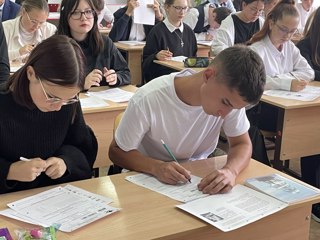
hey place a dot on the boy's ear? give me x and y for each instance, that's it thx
(209, 73)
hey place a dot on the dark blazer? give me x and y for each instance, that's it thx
(120, 30)
(10, 10)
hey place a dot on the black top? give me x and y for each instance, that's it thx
(4, 59)
(305, 49)
(160, 38)
(110, 58)
(199, 28)
(121, 28)
(244, 31)
(33, 133)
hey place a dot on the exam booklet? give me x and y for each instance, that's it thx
(68, 207)
(282, 188)
(229, 211)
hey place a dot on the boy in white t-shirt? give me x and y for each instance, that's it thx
(187, 110)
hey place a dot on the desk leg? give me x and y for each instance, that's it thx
(277, 163)
(134, 59)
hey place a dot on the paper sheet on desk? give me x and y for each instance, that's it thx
(93, 102)
(133, 43)
(69, 206)
(181, 192)
(178, 58)
(235, 209)
(114, 94)
(205, 43)
(310, 93)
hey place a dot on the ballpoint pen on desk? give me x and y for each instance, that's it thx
(171, 154)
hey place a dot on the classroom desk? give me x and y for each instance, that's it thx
(175, 65)
(134, 58)
(298, 128)
(146, 214)
(101, 121)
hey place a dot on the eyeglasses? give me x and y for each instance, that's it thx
(89, 13)
(34, 22)
(180, 9)
(255, 10)
(56, 100)
(285, 31)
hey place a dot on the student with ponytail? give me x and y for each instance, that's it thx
(285, 67)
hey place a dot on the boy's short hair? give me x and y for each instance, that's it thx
(241, 69)
(221, 13)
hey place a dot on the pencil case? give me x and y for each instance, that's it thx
(196, 62)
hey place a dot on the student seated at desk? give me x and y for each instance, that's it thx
(4, 59)
(268, 6)
(168, 39)
(205, 20)
(42, 120)
(224, 3)
(125, 29)
(105, 64)
(28, 29)
(104, 14)
(309, 45)
(305, 8)
(239, 27)
(191, 108)
(285, 67)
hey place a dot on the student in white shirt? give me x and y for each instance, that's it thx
(305, 8)
(239, 27)
(282, 59)
(103, 13)
(29, 29)
(191, 108)
(205, 20)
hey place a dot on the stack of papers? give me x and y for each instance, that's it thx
(203, 42)
(68, 207)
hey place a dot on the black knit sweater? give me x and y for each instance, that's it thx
(32, 133)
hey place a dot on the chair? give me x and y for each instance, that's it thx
(115, 169)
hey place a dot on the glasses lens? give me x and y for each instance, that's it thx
(76, 15)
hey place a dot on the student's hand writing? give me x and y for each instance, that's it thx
(25, 49)
(93, 79)
(132, 4)
(219, 181)
(56, 167)
(298, 85)
(164, 55)
(171, 173)
(110, 75)
(26, 171)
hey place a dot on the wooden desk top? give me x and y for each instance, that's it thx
(112, 105)
(144, 214)
(175, 65)
(105, 30)
(127, 47)
(290, 103)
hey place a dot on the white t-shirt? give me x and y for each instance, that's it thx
(280, 64)
(155, 112)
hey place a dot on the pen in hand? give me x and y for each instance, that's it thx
(171, 154)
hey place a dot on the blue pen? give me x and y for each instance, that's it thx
(171, 154)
